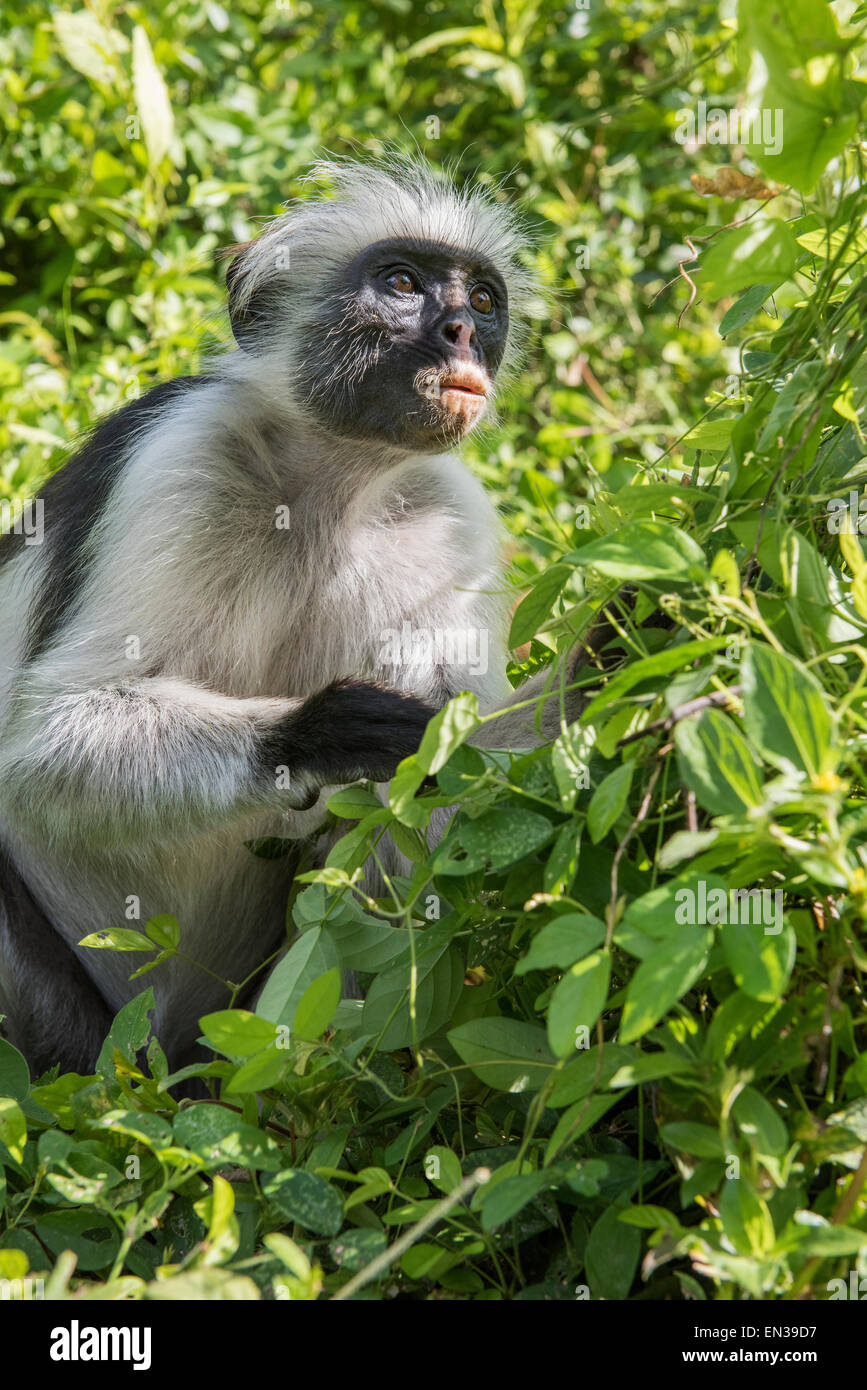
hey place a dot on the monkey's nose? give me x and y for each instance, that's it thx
(459, 333)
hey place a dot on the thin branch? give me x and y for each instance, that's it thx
(719, 697)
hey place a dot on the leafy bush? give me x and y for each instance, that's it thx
(612, 1021)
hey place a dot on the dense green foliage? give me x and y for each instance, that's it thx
(672, 1103)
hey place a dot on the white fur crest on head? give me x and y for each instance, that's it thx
(394, 197)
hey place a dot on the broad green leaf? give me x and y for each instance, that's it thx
(577, 1002)
(221, 1137)
(307, 1199)
(442, 1168)
(662, 978)
(693, 1138)
(317, 1005)
(14, 1072)
(13, 1127)
(88, 45)
(743, 309)
(561, 864)
(562, 942)
(609, 801)
(310, 956)
(787, 713)
(764, 252)
(504, 1053)
(611, 1257)
(237, 1033)
(496, 839)
(644, 550)
(118, 939)
(151, 98)
(759, 1123)
(355, 802)
(448, 729)
(761, 962)
(649, 667)
(164, 930)
(746, 1220)
(387, 1005)
(716, 762)
(535, 607)
(589, 1071)
(510, 1196)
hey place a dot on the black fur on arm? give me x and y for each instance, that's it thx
(347, 731)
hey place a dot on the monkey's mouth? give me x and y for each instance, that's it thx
(461, 390)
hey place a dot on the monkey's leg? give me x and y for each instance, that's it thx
(55, 1014)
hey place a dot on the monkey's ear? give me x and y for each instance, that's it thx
(246, 312)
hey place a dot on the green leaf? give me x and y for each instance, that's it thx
(743, 309)
(662, 978)
(310, 956)
(577, 1002)
(496, 839)
(87, 45)
(355, 802)
(317, 1005)
(442, 1168)
(118, 939)
(164, 930)
(760, 962)
(536, 606)
(693, 1138)
(13, 1127)
(439, 980)
(445, 732)
(611, 1257)
(609, 801)
(237, 1033)
(151, 98)
(746, 1219)
(561, 864)
(14, 1073)
(220, 1137)
(307, 1199)
(648, 667)
(644, 550)
(589, 1071)
(129, 1032)
(716, 762)
(511, 1196)
(759, 1123)
(562, 942)
(787, 713)
(764, 252)
(505, 1053)
(355, 1249)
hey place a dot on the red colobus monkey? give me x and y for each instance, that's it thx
(205, 620)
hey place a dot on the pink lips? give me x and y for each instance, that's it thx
(464, 389)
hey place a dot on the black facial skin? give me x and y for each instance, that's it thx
(402, 309)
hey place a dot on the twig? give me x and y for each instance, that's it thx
(382, 1262)
(719, 697)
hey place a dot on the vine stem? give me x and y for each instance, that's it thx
(843, 1211)
(400, 1246)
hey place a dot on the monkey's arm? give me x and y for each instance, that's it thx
(155, 759)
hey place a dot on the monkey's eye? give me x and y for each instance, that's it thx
(482, 300)
(402, 282)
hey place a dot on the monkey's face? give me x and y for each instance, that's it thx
(409, 345)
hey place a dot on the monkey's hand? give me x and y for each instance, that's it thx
(345, 732)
